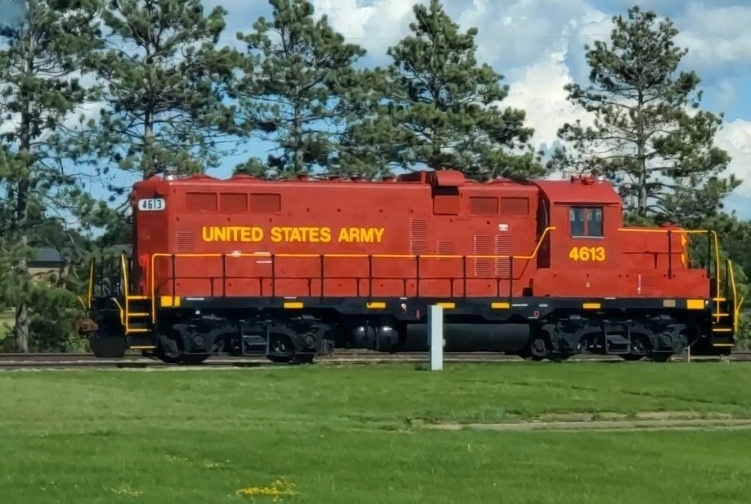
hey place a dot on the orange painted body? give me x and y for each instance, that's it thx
(418, 236)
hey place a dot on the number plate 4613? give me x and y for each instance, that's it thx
(587, 254)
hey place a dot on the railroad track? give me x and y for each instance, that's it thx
(85, 360)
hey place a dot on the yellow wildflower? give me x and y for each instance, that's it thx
(277, 489)
(127, 492)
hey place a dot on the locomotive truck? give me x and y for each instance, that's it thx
(291, 269)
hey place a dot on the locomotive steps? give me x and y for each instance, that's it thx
(604, 422)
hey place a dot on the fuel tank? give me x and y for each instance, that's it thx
(469, 338)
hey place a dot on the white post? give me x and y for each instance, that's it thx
(435, 337)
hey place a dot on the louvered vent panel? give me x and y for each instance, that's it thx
(482, 246)
(645, 285)
(444, 247)
(502, 246)
(418, 236)
(183, 242)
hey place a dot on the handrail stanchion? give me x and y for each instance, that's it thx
(224, 277)
(464, 276)
(370, 277)
(321, 267)
(709, 257)
(417, 274)
(173, 263)
(670, 253)
(511, 279)
(273, 276)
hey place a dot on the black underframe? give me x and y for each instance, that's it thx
(415, 309)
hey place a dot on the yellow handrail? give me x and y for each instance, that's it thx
(152, 287)
(736, 318)
(736, 305)
(125, 280)
(715, 239)
(90, 290)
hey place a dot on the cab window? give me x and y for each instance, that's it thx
(585, 221)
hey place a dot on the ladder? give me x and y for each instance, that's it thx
(135, 314)
(726, 309)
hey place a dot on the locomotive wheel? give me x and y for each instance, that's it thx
(279, 359)
(638, 349)
(538, 350)
(108, 347)
(632, 357)
(109, 341)
(281, 344)
(661, 356)
(303, 358)
(193, 359)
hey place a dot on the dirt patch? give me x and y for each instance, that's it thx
(646, 420)
(681, 415)
(642, 415)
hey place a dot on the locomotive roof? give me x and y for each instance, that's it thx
(579, 190)
(574, 190)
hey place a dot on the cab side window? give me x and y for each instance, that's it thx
(585, 221)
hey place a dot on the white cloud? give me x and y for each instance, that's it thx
(715, 34)
(538, 90)
(726, 94)
(735, 138)
(374, 27)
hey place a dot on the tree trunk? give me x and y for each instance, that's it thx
(22, 328)
(22, 201)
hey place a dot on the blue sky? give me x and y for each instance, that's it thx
(538, 46)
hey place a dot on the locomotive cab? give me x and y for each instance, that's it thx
(586, 215)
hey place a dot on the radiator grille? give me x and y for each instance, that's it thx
(183, 242)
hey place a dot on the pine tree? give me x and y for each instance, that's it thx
(299, 91)
(439, 107)
(164, 85)
(649, 135)
(40, 59)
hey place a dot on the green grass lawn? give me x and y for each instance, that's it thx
(357, 435)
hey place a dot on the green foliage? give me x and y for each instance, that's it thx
(163, 81)
(648, 134)
(39, 62)
(298, 89)
(438, 107)
(164, 95)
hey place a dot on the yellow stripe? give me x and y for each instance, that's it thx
(447, 306)
(695, 304)
(293, 305)
(170, 301)
(500, 306)
(591, 306)
(376, 305)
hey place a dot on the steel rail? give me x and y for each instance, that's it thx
(74, 361)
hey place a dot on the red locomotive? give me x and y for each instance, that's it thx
(291, 269)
